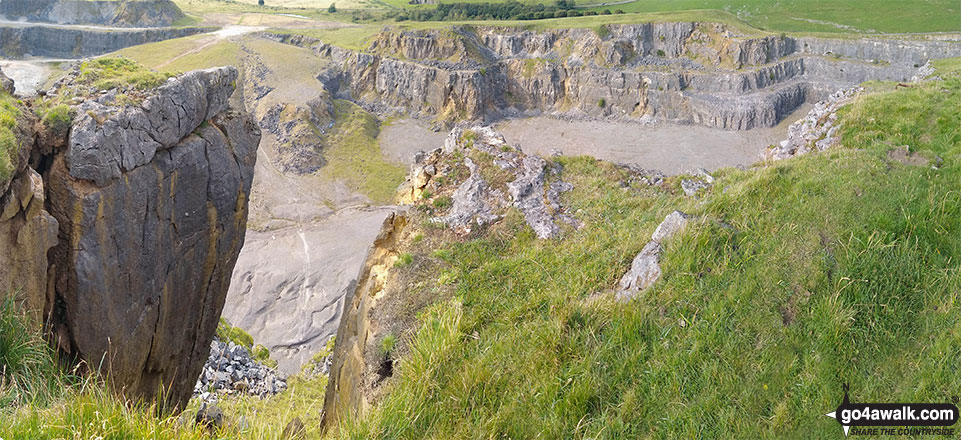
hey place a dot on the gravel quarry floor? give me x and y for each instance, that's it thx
(667, 147)
(401, 139)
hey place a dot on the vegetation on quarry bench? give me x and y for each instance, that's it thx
(354, 156)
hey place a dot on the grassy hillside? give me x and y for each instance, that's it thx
(840, 267)
(891, 16)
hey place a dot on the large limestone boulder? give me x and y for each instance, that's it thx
(152, 206)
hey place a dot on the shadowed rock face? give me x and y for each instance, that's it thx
(27, 230)
(150, 229)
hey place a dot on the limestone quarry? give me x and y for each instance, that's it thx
(699, 82)
(249, 207)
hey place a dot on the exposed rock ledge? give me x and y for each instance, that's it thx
(151, 205)
(138, 13)
(700, 73)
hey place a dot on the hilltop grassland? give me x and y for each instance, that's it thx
(832, 268)
(826, 16)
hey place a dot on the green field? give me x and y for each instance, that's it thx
(860, 16)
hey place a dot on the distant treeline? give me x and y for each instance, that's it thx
(510, 10)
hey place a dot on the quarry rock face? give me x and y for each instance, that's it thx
(700, 73)
(151, 224)
(123, 13)
(288, 287)
(21, 40)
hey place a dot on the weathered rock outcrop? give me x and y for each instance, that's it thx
(289, 285)
(698, 73)
(21, 40)
(355, 357)
(646, 268)
(105, 143)
(123, 13)
(27, 232)
(528, 183)
(816, 131)
(151, 200)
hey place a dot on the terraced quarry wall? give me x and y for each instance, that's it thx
(685, 72)
(17, 41)
(124, 13)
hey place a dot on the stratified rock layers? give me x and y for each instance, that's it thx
(146, 250)
(700, 73)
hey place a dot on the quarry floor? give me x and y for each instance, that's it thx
(664, 146)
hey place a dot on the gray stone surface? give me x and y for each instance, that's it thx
(683, 72)
(672, 224)
(231, 370)
(106, 140)
(22, 40)
(146, 253)
(288, 286)
(471, 206)
(128, 13)
(646, 268)
(534, 188)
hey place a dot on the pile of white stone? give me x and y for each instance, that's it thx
(231, 370)
(817, 131)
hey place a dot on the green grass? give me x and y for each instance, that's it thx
(841, 267)
(57, 119)
(797, 15)
(354, 38)
(228, 333)
(28, 370)
(354, 156)
(110, 72)
(833, 16)
(184, 54)
(90, 412)
(9, 144)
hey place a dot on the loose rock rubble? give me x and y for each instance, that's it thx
(641, 176)
(818, 130)
(701, 180)
(646, 269)
(231, 370)
(535, 189)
